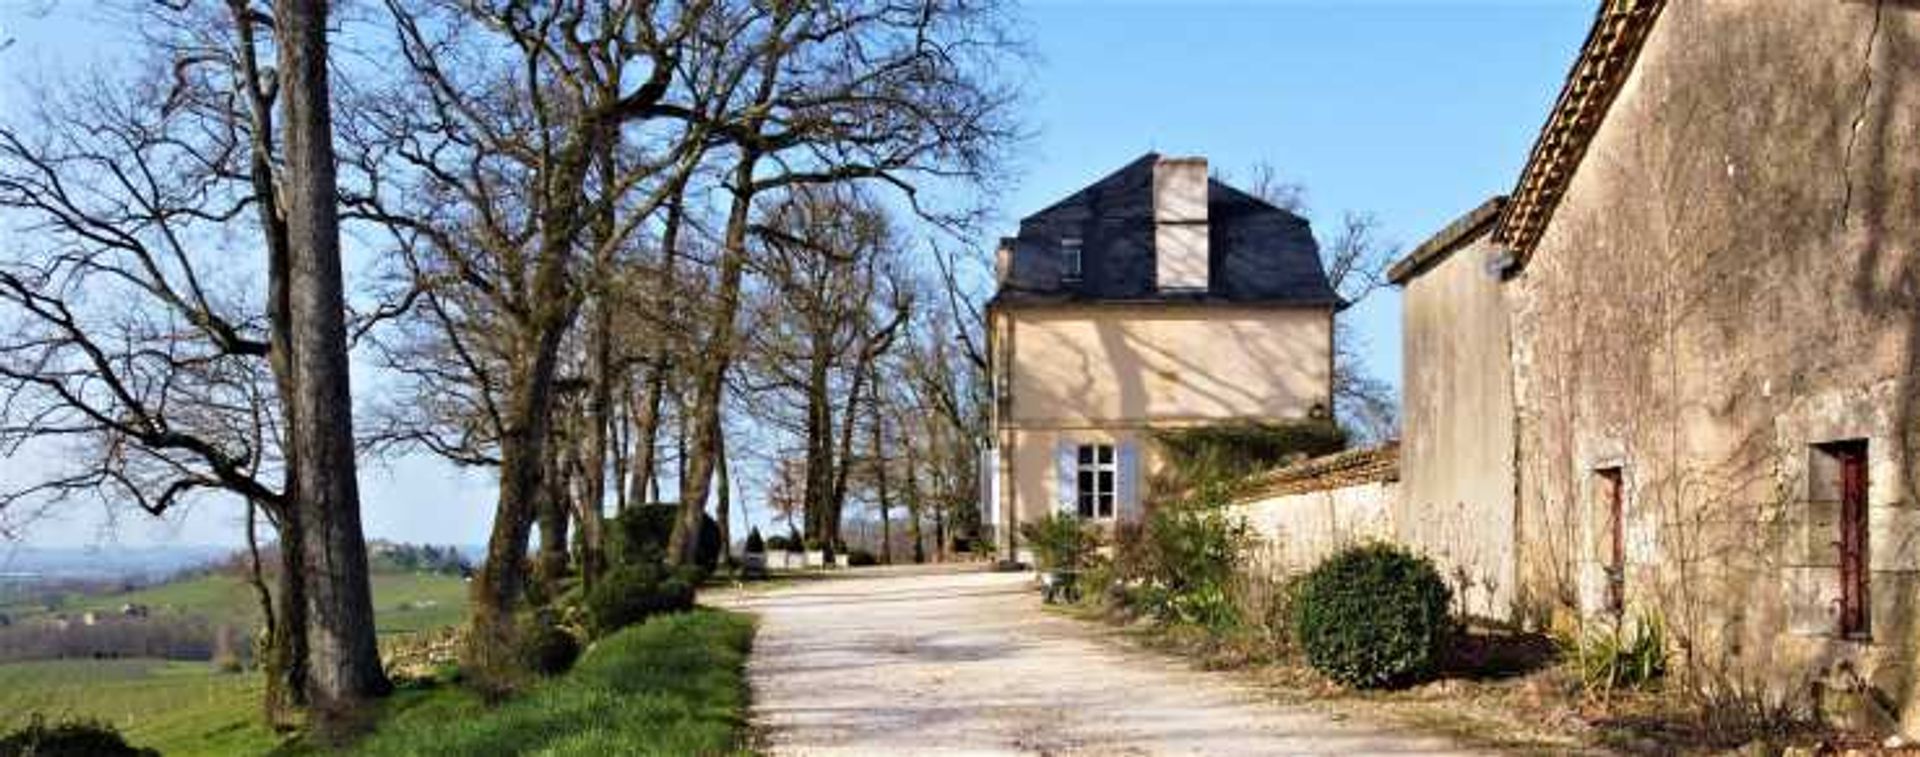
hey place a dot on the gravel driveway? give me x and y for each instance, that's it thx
(968, 663)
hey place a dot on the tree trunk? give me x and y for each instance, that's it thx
(551, 569)
(913, 504)
(283, 655)
(598, 421)
(646, 439)
(344, 661)
(498, 586)
(723, 501)
(710, 380)
(818, 496)
(879, 462)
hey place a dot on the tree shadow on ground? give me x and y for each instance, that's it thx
(1487, 653)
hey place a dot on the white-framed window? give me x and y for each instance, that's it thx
(1097, 477)
(1070, 260)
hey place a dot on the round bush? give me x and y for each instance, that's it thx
(546, 648)
(1373, 616)
(68, 738)
(641, 534)
(633, 592)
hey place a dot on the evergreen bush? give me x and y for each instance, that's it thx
(1373, 615)
(68, 738)
(545, 647)
(640, 535)
(633, 592)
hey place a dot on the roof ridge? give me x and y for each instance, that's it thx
(1607, 57)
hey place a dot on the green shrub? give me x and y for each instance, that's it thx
(860, 558)
(68, 738)
(641, 534)
(1611, 657)
(1193, 551)
(756, 545)
(633, 592)
(1373, 615)
(1232, 451)
(545, 647)
(1060, 542)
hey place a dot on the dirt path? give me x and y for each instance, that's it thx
(968, 663)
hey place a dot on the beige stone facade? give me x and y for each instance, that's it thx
(1712, 299)
(1109, 374)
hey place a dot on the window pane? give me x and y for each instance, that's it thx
(1086, 504)
(1106, 454)
(1086, 482)
(1106, 483)
(1086, 454)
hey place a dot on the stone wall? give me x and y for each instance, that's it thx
(1457, 461)
(1729, 280)
(1305, 512)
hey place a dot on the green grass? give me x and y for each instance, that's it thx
(180, 708)
(673, 686)
(402, 602)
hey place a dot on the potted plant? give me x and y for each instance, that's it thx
(1062, 544)
(755, 565)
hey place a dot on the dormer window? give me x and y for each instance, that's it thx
(1070, 258)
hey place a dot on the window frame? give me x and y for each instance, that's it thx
(1848, 461)
(1090, 495)
(1610, 483)
(1072, 258)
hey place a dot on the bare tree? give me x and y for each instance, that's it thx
(1356, 261)
(127, 336)
(891, 93)
(507, 136)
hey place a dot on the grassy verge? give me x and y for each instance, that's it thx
(179, 708)
(673, 685)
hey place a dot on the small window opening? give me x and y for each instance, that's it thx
(1096, 480)
(1070, 262)
(1609, 487)
(1839, 475)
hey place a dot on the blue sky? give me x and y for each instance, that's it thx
(1413, 111)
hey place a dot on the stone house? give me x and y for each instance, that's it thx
(1153, 298)
(1675, 372)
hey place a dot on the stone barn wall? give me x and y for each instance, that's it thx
(1730, 280)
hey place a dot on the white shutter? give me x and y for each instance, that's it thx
(1127, 481)
(1067, 457)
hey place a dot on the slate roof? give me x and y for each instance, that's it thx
(1257, 253)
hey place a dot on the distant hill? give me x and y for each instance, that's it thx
(105, 563)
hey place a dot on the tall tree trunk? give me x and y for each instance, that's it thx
(523, 455)
(817, 498)
(344, 661)
(914, 530)
(646, 415)
(723, 501)
(283, 658)
(551, 568)
(714, 362)
(599, 421)
(646, 438)
(880, 486)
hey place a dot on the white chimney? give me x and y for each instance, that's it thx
(1180, 224)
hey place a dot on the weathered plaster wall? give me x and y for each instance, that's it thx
(1730, 278)
(1298, 530)
(1456, 452)
(1109, 373)
(1103, 365)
